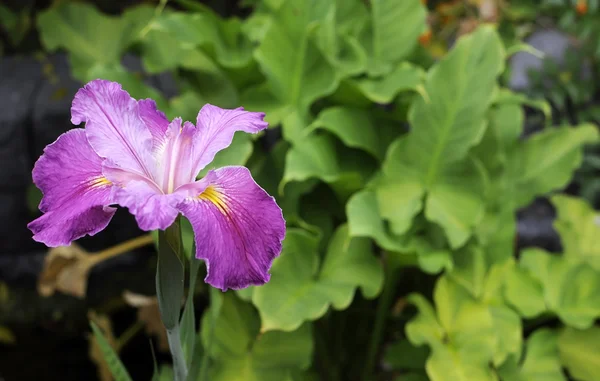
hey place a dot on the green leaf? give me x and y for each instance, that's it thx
(403, 355)
(455, 200)
(465, 334)
(523, 292)
(170, 275)
(571, 288)
(241, 352)
(237, 153)
(342, 50)
(388, 41)
(405, 77)
(540, 362)
(580, 352)
(188, 317)
(91, 36)
(352, 126)
(297, 72)
(320, 156)
(115, 365)
(15, 25)
(208, 81)
(547, 160)
(579, 227)
(222, 39)
(431, 162)
(300, 289)
(364, 220)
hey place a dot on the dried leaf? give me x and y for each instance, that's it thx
(95, 353)
(66, 269)
(149, 314)
(488, 10)
(467, 26)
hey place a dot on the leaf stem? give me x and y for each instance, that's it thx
(383, 308)
(121, 248)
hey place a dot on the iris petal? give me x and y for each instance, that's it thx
(114, 127)
(216, 129)
(76, 194)
(238, 228)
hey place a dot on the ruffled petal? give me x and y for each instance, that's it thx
(114, 126)
(152, 210)
(238, 228)
(76, 195)
(216, 129)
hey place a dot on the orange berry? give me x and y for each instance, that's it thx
(425, 37)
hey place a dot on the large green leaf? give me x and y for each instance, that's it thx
(571, 288)
(223, 39)
(540, 361)
(524, 292)
(547, 160)
(404, 77)
(455, 200)
(241, 353)
(364, 220)
(301, 289)
(580, 352)
(460, 332)
(321, 156)
(89, 36)
(579, 227)
(431, 162)
(297, 72)
(354, 127)
(393, 33)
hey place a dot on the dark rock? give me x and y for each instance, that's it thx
(15, 238)
(52, 104)
(18, 86)
(554, 44)
(535, 227)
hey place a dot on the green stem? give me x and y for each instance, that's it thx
(179, 364)
(383, 308)
(169, 292)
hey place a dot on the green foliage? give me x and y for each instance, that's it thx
(117, 369)
(400, 170)
(241, 352)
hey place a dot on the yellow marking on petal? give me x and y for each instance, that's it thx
(212, 195)
(100, 181)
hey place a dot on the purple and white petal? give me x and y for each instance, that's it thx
(152, 210)
(174, 158)
(216, 129)
(155, 120)
(75, 193)
(114, 127)
(238, 228)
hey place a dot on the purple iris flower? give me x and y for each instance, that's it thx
(130, 155)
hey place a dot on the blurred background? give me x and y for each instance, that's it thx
(184, 53)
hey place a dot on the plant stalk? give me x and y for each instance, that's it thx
(179, 363)
(169, 292)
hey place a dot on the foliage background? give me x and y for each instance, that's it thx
(402, 155)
